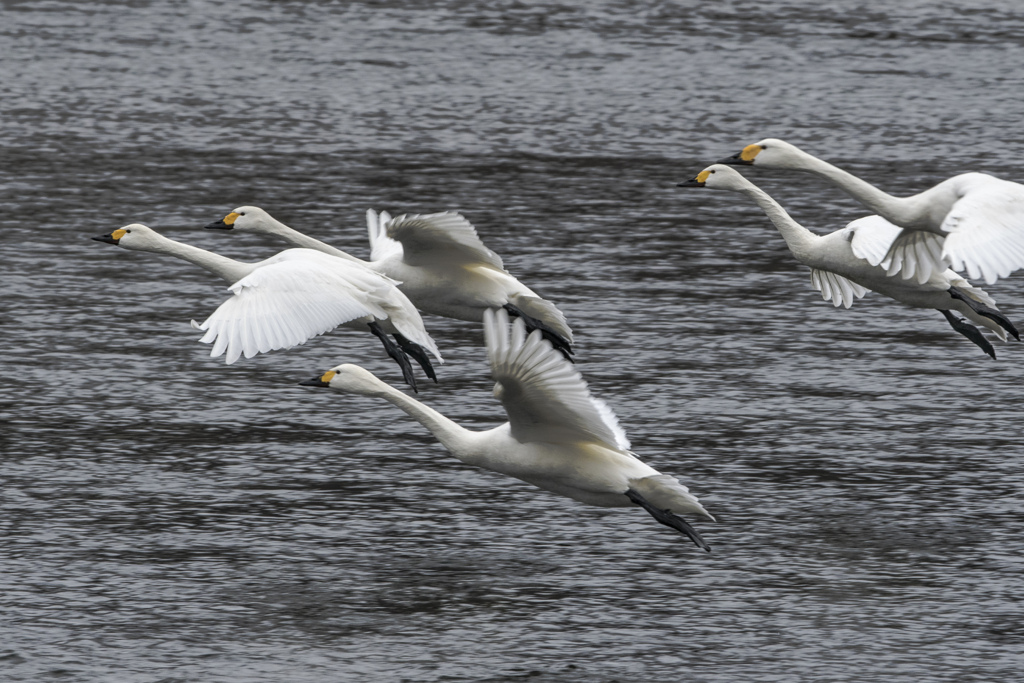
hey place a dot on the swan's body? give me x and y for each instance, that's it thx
(439, 262)
(972, 221)
(289, 298)
(846, 263)
(558, 437)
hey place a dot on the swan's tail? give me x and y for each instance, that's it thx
(381, 246)
(668, 493)
(984, 308)
(543, 315)
(407, 321)
(667, 517)
(976, 293)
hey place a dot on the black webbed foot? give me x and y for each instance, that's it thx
(557, 340)
(668, 519)
(970, 331)
(987, 311)
(418, 352)
(396, 353)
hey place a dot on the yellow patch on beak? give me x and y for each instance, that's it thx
(119, 233)
(230, 218)
(749, 152)
(328, 376)
(702, 177)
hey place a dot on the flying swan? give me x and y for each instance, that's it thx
(558, 437)
(845, 264)
(294, 296)
(972, 221)
(439, 262)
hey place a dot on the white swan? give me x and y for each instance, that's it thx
(971, 221)
(844, 264)
(558, 437)
(439, 261)
(293, 296)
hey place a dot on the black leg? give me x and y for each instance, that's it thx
(557, 340)
(668, 519)
(988, 312)
(969, 331)
(418, 352)
(395, 352)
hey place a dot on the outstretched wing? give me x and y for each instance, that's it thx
(907, 253)
(870, 238)
(430, 239)
(283, 304)
(381, 246)
(839, 289)
(545, 397)
(985, 229)
(916, 252)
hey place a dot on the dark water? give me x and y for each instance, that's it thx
(168, 518)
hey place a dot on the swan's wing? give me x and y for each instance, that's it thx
(839, 289)
(381, 246)
(986, 230)
(916, 252)
(870, 238)
(429, 239)
(545, 397)
(283, 304)
(903, 252)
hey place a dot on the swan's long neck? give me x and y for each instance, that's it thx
(226, 268)
(459, 440)
(799, 239)
(898, 210)
(297, 239)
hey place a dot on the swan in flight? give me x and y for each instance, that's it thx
(558, 437)
(292, 297)
(439, 262)
(845, 264)
(972, 221)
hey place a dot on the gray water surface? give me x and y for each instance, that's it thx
(169, 518)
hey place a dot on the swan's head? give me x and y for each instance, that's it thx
(135, 236)
(347, 377)
(718, 176)
(245, 219)
(770, 153)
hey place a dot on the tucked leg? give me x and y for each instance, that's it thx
(395, 352)
(417, 351)
(969, 331)
(557, 340)
(668, 519)
(987, 311)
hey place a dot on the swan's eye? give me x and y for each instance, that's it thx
(242, 214)
(127, 230)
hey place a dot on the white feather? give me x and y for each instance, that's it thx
(543, 394)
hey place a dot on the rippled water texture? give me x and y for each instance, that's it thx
(168, 518)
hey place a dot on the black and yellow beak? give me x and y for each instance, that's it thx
(697, 181)
(323, 380)
(226, 223)
(744, 157)
(112, 238)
